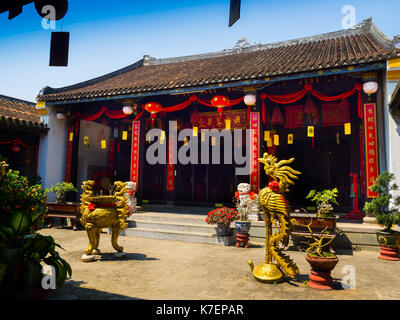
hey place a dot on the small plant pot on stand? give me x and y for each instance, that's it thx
(389, 242)
(320, 275)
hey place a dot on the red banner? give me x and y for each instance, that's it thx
(371, 147)
(362, 162)
(211, 120)
(135, 153)
(294, 117)
(334, 114)
(111, 152)
(68, 160)
(255, 151)
(170, 165)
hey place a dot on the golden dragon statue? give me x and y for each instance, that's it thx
(102, 212)
(276, 212)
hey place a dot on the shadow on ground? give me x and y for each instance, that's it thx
(108, 256)
(72, 290)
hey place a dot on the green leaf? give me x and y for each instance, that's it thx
(20, 222)
(61, 272)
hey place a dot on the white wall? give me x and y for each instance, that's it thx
(393, 125)
(52, 151)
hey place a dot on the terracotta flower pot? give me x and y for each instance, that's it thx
(320, 275)
(390, 243)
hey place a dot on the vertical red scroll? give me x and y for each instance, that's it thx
(111, 152)
(170, 165)
(68, 158)
(135, 153)
(255, 151)
(371, 147)
(362, 161)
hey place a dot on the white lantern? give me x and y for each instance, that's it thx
(127, 109)
(370, 87)
(60, 116)
(250, 99)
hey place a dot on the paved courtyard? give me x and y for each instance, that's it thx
(163, 269)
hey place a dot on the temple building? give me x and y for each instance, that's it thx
(323, 100)
(20, 132)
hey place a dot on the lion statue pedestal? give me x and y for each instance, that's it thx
(100, 212)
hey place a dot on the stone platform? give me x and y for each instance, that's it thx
(188, 224)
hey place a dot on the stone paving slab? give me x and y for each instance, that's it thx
(166, 269)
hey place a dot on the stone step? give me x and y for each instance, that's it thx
(172, 226)
(165, 217)
(186, 236)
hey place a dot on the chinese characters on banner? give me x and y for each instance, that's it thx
(68, 161)
(211, 120)
(371, 148)
(170, 165)
(336, 113)
(135, 153)
(255, 151)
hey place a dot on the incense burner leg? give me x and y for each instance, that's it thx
(114, 239)
(97, 240)
(91, 233)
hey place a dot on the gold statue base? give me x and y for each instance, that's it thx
(267, 272)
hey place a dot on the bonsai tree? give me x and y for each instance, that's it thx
(23, 251)
(324, 201)
(60, 189)
(316, 245)
(385, 207)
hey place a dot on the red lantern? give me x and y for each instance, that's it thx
(153, 108)
(277, 119)
(220, 102)
(15, 148)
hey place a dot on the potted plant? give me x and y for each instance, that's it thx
(23, 251)
(322, 261)
(244, 207)
(385, 208)
(324, 201)
(60, 189)
(222, 217)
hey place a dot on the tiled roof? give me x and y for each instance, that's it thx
(362, 44)
(19, 113)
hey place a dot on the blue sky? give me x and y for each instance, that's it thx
(107, 35)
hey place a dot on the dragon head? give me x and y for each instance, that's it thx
(279, 170)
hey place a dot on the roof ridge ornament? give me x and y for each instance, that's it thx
(243, 43)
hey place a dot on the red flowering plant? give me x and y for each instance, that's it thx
(222, 215)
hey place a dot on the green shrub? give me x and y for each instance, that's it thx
(22, 249)
(385, 207)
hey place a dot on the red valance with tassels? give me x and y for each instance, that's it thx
(296, 96)
(118, 114)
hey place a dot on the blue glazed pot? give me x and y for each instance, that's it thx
(243, 226)
(223, 229)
